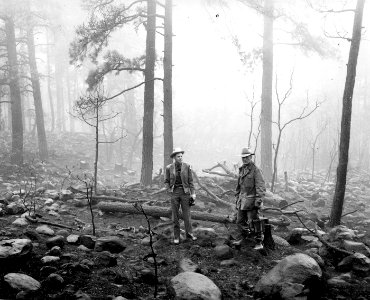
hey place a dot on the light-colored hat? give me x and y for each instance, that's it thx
(246, 152)
(176, 151)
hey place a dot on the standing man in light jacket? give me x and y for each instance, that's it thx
(250, 192)
(179, 182)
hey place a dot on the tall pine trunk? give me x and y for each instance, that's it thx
(147, 153)
(59, 74)
(51, 102)
(41, 135)
(15, 94)
(70, 102)
(266, 97)
(167, 85)
(340, 187)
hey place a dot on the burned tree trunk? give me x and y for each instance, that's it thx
(51, 102)
(15, 94)
(167, 85)
(42, 143)
(266, 97)
(147, 153)
(340, 188)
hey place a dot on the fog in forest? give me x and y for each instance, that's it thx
(268, 101)
(217, 77)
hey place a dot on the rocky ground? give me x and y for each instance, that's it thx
(53, 254)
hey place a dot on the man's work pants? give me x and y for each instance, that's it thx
(180, 198)
(244, 223)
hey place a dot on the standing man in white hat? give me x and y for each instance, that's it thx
(250, 191)
(179, 182)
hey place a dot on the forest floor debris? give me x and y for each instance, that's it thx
(69, 262)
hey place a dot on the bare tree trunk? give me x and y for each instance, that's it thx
(59, 74)
(51, 102)
(70, 103)
(266, 97)
(15, 94)
(147, 153)
(167, 85)
(39, 112)
(96, 151)
(340, 188)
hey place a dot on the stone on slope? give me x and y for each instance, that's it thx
(22, 282)
(194, 286)
(297, 269)
(112, 244)
(14, 248)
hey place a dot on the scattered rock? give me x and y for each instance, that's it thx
(194, 286)
(187, 265)
(84, 248)
(73, 239)
(112, 244)
(229, 262)
(54, 282)
(45, 229)
(298, 268)
(280, 241)
(223, 252)
(88, 241)
(22, 282)
(66, 195)
(62, 232)
(47, 270)
(32, 234)
(106, 259)
(49, 259)
(21, 222)
(48, 202)
(57, 240)
(337, 282)
(341, 232)
(14, 208)
(146, 241)
(356, 247)
(55, 251)
(14, 249)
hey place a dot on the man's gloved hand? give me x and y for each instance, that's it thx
(258, 203)
(192, 199)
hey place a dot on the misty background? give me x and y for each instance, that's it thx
(217, 76)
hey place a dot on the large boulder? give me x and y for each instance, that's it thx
(22, 282)
(14, 248)
(341, 232)
(14, 208)
(88, 241)
(194, 286)
(294, 269)
(112, 244)
(45, 229)
(356, 247)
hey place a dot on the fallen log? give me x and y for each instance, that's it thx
(213, 196)
(158, 211)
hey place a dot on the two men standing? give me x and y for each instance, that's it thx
(250, 191)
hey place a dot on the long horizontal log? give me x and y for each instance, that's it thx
(158, 211)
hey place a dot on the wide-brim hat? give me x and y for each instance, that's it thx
(176, 151)
(246, 152)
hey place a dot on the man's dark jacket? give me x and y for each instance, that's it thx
(251, 187)
(186, 177)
